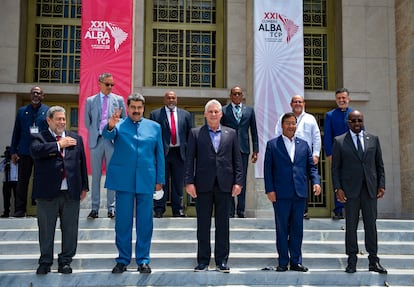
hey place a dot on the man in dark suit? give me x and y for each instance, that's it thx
(60, 182)
(30, 119)
(176, 124)
(98, 109)
(240, 117)
(287, 166)
(213, 174)
(359, 181)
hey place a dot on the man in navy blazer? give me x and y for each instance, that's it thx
(60, 182)
(288, 164)
(175, 124)
(240, 117)
(359, 181)
(100, 148)
(213, 174)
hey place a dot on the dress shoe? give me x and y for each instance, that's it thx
(180, 213)
(376, 267)
(93, 214)
(231, 216)
(281, 268)
(19, 214)
(223, 268)
(4, 215)
(119, 268)
(351, 268)
(111, 214)
(65, 269)
(338, 216)
(240, 214)
(43, 269)
(144, 268)
(158, 214)
(298, 267)
(306, 216)
(201, 267)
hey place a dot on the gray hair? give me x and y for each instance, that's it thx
(55, 109)
(136, 97)
(104, 76)
(211, 103)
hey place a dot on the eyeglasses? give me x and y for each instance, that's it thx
(237, 94)
(36, 93)
(356, 121)
(297, 102)
(108, 84)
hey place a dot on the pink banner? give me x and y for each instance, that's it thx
(106, 47)
(278, 64)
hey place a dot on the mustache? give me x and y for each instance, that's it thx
(136, 113)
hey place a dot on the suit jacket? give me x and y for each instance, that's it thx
(49, 165)
(185, 124)
(349, 171)
(203, 165)
(247, 121)
(137, 163)
(285, 177)
(93, 112)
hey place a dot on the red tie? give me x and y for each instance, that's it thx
(173, 129)
(61, 152)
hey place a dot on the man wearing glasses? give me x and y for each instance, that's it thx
(240, 117)
(358, 178)
(98, 109)
(30, 119)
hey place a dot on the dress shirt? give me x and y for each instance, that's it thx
(290, 146)
(168, 112)
(64, 185)
(355, 139)
(215, 137)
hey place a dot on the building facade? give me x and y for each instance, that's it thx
(363, 45)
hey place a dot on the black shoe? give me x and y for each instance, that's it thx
(144, 268)
(4, 215)
(93, 214)
(338, 216)
(119, 268)
(281, 268)
(298, 267)
(351, 268)
(180, 213)
(240, 214)
(223, 268)
(231, 216)
(376, 267)
(306, 216)
(158, 214)
(201, 267)
(111, 214)
(19, 214)
(65, 269)
(43, 269)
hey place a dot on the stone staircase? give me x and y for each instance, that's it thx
(173, 254)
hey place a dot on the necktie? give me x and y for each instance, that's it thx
(238, 113)
(104, 113)
(360, 150)
(61, 152)
(173, 128)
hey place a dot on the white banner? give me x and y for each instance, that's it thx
(278, 64)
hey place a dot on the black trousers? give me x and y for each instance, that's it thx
(47, 213)
(9, 187)
(206, 202)
(25, 171)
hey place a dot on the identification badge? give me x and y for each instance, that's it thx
(34, 130)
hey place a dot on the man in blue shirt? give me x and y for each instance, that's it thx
(336, 123)
(30, 119)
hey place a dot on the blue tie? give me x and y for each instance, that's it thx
(238, 113)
